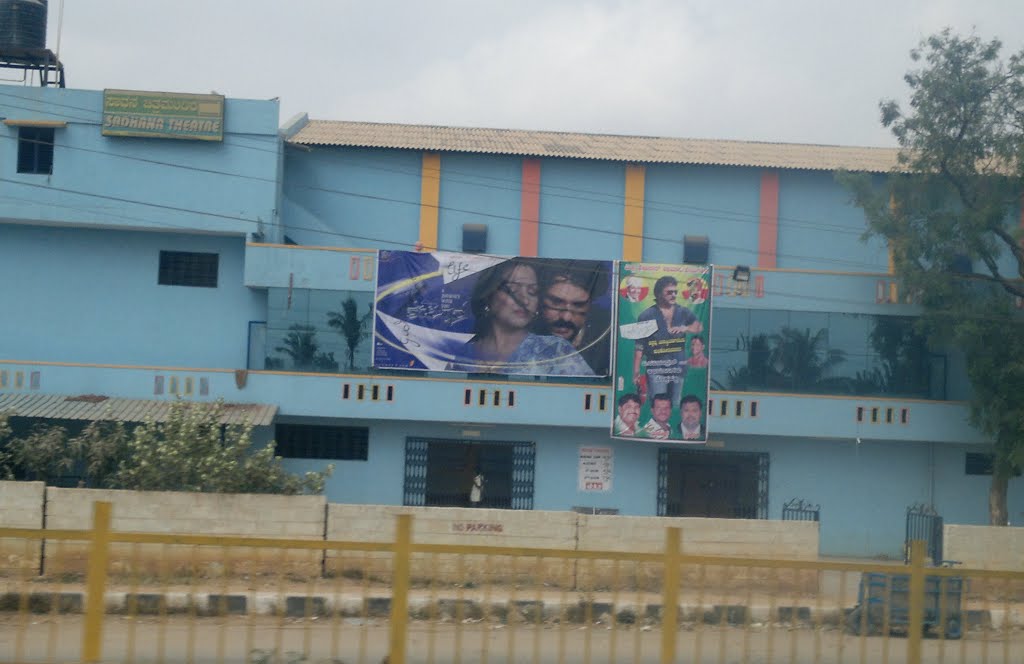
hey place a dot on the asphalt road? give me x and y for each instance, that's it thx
(244, 640)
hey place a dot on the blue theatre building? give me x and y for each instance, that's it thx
(146, 261)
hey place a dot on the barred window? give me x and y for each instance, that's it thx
(188, 268)
(309, 441)
(978, 463)
(35, 150)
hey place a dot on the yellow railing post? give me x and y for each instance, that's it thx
(670, 595)
(400, 589)
(96, 583)
(915, 630)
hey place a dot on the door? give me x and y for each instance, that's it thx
(712, 483)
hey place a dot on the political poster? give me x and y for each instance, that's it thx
(661, 373)
(474, 313)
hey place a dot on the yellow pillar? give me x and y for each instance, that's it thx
(633, 215)
(915, 630)
(430, 196)
(96, 583)
(400, 589)
(670, 595)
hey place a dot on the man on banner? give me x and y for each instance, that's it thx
(568, 290)
(690, 427)
(629, 413)
(658, 426)
(659, 361)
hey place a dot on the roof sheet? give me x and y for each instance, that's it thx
(638, 149)
(99, 407)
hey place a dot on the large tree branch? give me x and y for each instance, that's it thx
(1014, 246)
(961, 189)
(996, 278)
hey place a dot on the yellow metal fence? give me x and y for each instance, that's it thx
(139, 597)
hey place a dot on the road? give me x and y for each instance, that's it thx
(255, 640)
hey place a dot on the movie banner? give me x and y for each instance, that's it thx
(473, 313)
(661, 352)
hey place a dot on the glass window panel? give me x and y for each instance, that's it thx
(318, 330)
(348, 319)
(729, 329)
(823, 353)
(752, 350)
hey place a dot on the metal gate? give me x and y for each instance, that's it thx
(517, 468)
(734, 485)
(800, 510)
(924, 523)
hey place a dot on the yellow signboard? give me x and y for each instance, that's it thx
(163, 115)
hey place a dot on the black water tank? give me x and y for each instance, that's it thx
(22, 24)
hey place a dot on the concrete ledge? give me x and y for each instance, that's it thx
(447, 609)
(223, 605)
(42, 602)
(791, 614)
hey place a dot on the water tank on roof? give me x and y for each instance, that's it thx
(22, 24)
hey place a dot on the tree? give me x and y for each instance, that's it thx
(301, 345)
(99, 451)
(790, 359)
(41, 455)
(350, 325)
(950, 205)
(190, 451)
(757, 373)
(801, 358)
(6, 469)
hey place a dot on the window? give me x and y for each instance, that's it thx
(302, 332)
(823, 353)
(474, 238)
(978, 463)
(188, 268)
(308, 441)
(35, 150)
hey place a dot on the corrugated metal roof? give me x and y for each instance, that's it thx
(100, 407)
(637, 149)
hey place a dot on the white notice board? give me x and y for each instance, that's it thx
(596, 468)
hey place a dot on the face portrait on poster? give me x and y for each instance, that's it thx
(473, 313)
(661, 367)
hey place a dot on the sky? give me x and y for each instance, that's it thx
(796, 71)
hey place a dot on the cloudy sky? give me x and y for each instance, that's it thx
(805, 71)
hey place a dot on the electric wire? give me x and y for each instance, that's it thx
(321, 231)
(613, 199)
(474, 213)
(831, 300)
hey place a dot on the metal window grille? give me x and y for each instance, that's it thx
(755, 507)
(924, 523)
(519, 472)
(35, 150)
(800, 510)
(308, 441)
(188, 268)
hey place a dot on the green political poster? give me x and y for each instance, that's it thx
(661, 352)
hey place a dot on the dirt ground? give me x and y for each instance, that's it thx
(264, 640)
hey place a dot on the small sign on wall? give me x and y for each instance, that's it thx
(477, 527)
(596, 469)
(163, 115)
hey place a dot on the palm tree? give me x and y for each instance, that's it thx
(757, 373)
(300, 344)
(350, 325)
(802, 359)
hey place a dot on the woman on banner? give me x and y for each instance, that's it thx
(505, 302)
